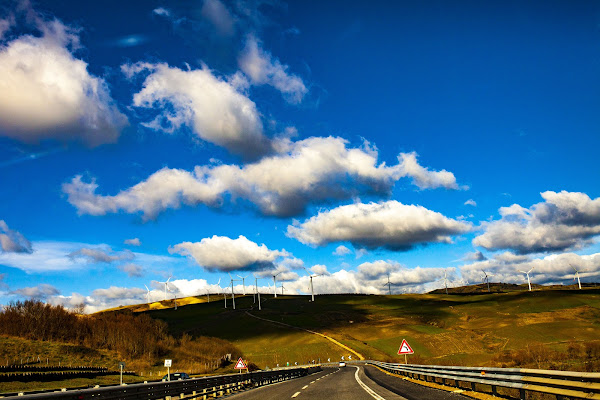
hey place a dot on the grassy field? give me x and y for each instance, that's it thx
(461, 328)
(542, 329)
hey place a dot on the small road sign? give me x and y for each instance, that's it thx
(168, 363)
(405, 348)
(240, 364)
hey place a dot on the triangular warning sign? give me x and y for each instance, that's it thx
(405, 348)
(240, 364)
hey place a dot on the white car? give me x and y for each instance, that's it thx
(342, 364)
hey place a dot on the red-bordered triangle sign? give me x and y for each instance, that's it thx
(405, 348)
(240, 364)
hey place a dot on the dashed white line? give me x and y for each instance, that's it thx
(312, 382)
(305, 387)
(295, 394)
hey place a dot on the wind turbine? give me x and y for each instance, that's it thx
(528, 280)
(486, 279)
(389, 285)
(446, 280)
(312, 291)
(243, 282)
(256, 291)
(282, 288)
(232, 293)
(148, 295)
(275, 284)
(166, 285)
(576, 275)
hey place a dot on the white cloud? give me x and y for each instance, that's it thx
(101, 254)
(474, 256)
(564, 220)
(132, 270)
(225, 254)
(12, 241)
(319, 269)
(120, 293)
(262, 69)
(57, 256)
(41, 291)
(552, 269)
(216, 12)
(133, 242)
(471, 202)
(47, 93)
(312, 170)
(390, 225)
(162, 12)
(213, 108)
(423, 177)
(341, 250)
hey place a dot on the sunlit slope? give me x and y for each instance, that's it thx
(469, 328)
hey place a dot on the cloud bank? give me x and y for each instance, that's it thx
(313, 170)
(12, 241)
(565, 220)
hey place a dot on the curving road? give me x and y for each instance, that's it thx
(349, 383)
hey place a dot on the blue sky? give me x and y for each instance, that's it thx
(425, 138)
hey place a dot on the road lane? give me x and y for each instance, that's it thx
(334, 383)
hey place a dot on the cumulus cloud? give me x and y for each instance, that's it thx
(163, 12)
(226, 254)
(474, 256)
(552, 269)
(120, 293)
(41, 291)
(341, 250)
(565, 220)
(263, 68)
(133, 242)
(213, 108)
(312, 170)
(391, 225)
(132, 270)
(48, 93)
(101, 254)
(218, 14)
(12, 241)
(423, 177)
(471, 202)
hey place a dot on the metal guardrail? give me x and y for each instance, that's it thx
(579, 385)
(197, 389)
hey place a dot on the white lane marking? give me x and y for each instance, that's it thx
(295, 394)
(367, 389)
(313, 382)
(304, 387)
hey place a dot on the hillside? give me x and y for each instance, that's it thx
(546, 328)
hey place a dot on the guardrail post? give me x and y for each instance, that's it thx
(194, 394)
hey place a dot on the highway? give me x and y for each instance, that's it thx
(349, 383)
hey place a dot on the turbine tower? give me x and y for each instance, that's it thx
(576, 275)
(486, 279)
(256, 291)
(275, 284)
(528, 280)
(243, 282)
(282, 288)
(389, 285)
(232, 293)
(166, 283)
(446, 280)
(312, 291)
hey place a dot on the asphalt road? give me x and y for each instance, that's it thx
(349, 383)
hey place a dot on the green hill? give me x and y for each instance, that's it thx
(545, 328)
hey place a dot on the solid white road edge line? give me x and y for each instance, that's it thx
(367, 389)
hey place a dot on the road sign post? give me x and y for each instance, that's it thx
(405, 349)
(168, 364)
(241, 365)
(121, 365)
